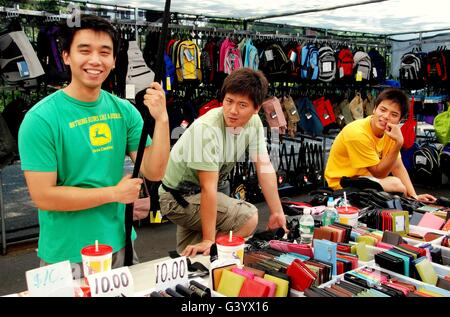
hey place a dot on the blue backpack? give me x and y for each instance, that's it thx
(309, 120)
(408, 156)
(169, 72)
(310, 62)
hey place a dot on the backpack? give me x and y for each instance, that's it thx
(8, 146)
(408, 156)
(378, 66)
(295, 56)
(324, 111)
(169, 73)
(274, 114)
(18, 61)
(327, 64)
(442, 126)
(187, 61)
(427, 165)
(309, 120)
(291, 115)
(345, 63)
(356, 107)
(273, 61)
(369, 104)
(138, 73)
(412, 70)
(436, 66)
(345, 111)
(409, 127)
(310, 62)
(362, 66)
(445, 160)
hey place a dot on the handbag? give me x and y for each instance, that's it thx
(141, 207)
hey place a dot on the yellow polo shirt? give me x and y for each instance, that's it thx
(355, 148)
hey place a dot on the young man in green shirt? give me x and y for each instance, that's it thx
(73, 144)
(202, 158)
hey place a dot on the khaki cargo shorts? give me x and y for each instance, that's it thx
(232, 214)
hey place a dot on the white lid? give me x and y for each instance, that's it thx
(307, 211)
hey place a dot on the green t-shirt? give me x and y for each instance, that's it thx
(85, 143)
(207, 145)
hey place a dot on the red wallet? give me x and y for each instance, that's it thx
(301, 276)
(251, 288)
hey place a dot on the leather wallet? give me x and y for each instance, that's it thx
(252, 288)
(390, 262)
(255, 272)
(301, 276)
(392, 238)
(326, 251)
(271, 285)
(304, 249)
(230, 284)
(282, 289)
(216, 274)
(243, 272)
(426, 271)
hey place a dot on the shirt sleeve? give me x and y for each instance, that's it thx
(37, 145)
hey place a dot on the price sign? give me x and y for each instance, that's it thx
(113, 283)
(130, 91)
(53, 280)
(170, 273)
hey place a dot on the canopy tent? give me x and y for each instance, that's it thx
(379, 17)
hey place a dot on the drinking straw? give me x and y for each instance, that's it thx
(96, 245)
(345, 201)
(230, 237)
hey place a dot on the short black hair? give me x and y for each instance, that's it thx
(396, 95)
(246, 82)
(89, 22)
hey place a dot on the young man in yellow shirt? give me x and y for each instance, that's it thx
(370, 148)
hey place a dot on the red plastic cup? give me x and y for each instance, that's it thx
(233, 249)
(96, 261)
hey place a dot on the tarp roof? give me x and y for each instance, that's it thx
(391, 16)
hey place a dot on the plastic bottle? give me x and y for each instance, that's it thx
(330, 214)
(306, 227)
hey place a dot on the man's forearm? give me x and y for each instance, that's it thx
(157, 156)
(386, 165)
(67, 198)
(208, 214)
(269, 187)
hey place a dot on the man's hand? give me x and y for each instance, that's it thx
(277, 220)
(393, 131)
(127, 190)
(202, 247)
(426, 198)
(155, 100)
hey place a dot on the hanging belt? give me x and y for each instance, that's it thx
(177, 195)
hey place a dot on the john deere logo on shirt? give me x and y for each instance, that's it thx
(100, 134)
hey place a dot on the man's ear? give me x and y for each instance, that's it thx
(65, 56)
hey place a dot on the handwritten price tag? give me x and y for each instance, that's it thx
(113, 283)
(53, 280)
(170, 273)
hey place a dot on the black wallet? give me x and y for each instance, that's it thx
(390, 262)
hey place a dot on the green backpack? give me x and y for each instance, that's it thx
(442, 126)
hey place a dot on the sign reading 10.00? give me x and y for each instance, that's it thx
(170, 273)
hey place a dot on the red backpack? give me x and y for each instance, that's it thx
(324, 111)
(345, 63)
(208, 106)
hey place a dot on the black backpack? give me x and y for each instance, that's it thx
(412, 70)
(427, 168)
(378, 66)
